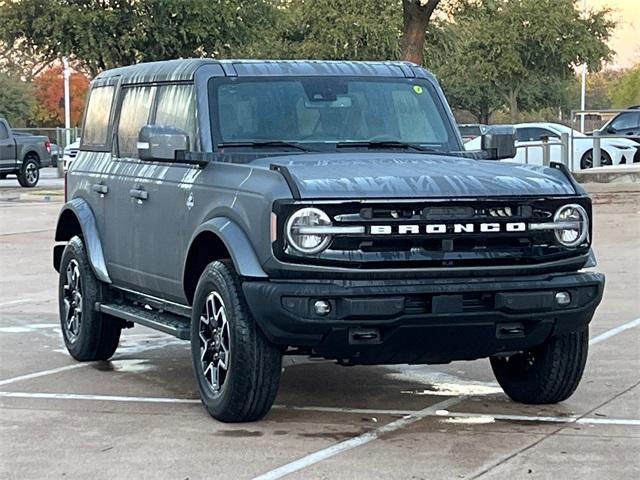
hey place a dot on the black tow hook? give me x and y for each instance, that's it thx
(364, 335)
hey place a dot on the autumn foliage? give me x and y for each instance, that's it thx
(48, 90)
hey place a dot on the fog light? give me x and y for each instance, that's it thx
(563, 298)
(322, 307)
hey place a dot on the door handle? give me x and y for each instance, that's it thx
(140, 194)
(100, 188)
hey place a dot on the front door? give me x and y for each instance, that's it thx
(160, 237)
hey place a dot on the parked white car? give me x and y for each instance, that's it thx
(614, 151)
(69, 154)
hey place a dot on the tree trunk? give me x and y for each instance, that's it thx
(512, 98)
(416, 15)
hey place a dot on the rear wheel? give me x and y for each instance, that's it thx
(88, 334)
(237, 368)
(549, 373)
(587, 159)
(29, 173)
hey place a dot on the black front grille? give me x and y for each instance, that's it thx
(460, 244)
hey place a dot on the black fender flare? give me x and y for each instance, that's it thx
(85, 218)
(237, 244)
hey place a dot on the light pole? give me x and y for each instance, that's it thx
(67, 109)
(583, 88)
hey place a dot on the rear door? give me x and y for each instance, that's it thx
(7, 148)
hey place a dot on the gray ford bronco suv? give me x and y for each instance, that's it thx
(269, 208)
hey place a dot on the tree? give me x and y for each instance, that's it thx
(335, 29)
(48, 90)
(415, 20)
(519, 53)
(626, 90)
(16, 100)
(104, 34)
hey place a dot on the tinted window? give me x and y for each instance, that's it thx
(326, 110)
(469, 130)
(134, 114)
(4, 134)
(523, 134)
(96, 124)
(534, 134)
(626, 120)
(176, 108)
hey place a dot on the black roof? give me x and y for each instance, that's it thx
(185, 69)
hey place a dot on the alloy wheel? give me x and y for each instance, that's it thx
(215, 342)
(73, 301)
(31, 172)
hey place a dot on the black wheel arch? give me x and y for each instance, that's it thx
(77, 218)
(217, 239)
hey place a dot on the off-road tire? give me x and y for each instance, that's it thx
(98, 334)
(254, 364)
(549, 373)
(29, 173)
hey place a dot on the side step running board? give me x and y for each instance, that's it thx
(163, 321)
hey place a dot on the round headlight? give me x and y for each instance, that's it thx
(574, 225)
(300, 230)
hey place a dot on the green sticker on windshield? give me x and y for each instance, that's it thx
(417, 89)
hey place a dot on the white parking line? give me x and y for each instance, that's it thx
(615, 331)
(544, 419)
(354, 442)
(16, 302)
(108, 398)
(42, 373)
(432, 411)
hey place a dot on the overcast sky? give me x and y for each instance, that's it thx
(626, 37)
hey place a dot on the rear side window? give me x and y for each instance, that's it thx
(523, 134)
(176, 108)
(134, 114)
(96, 124)
(4, 134)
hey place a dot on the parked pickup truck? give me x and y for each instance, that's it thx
(23, 154)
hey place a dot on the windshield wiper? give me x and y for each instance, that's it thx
(265, 143)
(384, 144)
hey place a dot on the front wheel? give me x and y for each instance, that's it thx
(549, 373)
(29, 173)
(237, 368)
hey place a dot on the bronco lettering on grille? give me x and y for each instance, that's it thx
(443, 228)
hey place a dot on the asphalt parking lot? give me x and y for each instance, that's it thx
(138, 416)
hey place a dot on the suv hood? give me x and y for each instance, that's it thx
(384, 175)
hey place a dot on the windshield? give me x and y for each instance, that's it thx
(329, 113)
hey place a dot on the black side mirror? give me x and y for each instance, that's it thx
(611, 131)
(499, 141)
(161, 143)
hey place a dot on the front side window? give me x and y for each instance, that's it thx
(176, 108)
(134, 114)
(324, 113)
(96, 124)
(4, 133)
(626, 120)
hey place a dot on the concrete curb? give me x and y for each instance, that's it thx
(618, 174)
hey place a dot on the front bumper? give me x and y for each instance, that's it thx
(422, 320)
